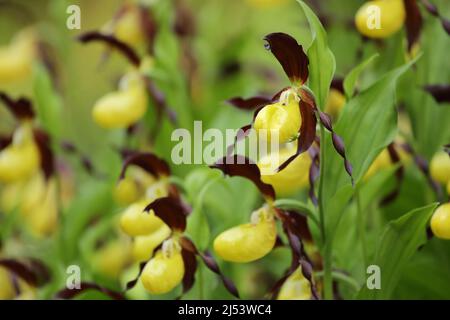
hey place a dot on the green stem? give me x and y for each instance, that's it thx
(326, 245)
(361, 224)
(343, 278)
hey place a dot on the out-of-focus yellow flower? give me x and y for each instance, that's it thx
(440, 167)
(16, 59)
(143, 246)
(282, 117)
(448, 188)
(335, 103)
(265, 3)
(19, 291)
(296, 287)
(248, 242)
(126, 191)
(380, 18)
(135, 222)
(125, 107)
(383, 161)
(21, 158)
(291, 178)
(440, 222)
(165, 270)
(113, 258)
(129, 28)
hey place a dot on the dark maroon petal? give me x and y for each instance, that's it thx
(249, 103)
(149, 27)
(21, 108)
(190, 266)
(170, 210)
(84, 286)
(159, 99)
(33, 271)
(214, 267)
(440, 92)
(5, 141)
(300, 224)
(314, 171)
(431, 8)
(236, 165)
(43, 143)
(413, 22)
(338, 84)
(147, 161)
(241, 134)
(185, 25)
(307, 131)
(290, 55)
(122, 47)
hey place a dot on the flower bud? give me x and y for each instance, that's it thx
(290, 179)
(126, 191)
(16, 60)
(143, 246)
(380, 18)
(165, 270)
(440, 222)
(135, 222)
(335, 103)
(440, 167)
(296, 287)
(112, 259)
(122, 108)
(281, 117)
(248, 242)
(21, 158)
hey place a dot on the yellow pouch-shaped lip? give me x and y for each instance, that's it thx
(122, 108)
(143, 246)
(380, 18)
(163, 273)
(135, 222)
(440, 167)
(440, 222)
(296, 287)
(246, 242)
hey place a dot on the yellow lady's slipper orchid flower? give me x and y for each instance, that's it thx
(296, 287)
(335, 103)
(282, 117)
(248, 242)
(380, 18)
(448, 188)
(382, 161)
(16, 59)
(440, 167)
(165, 270)
(122, 108)
(135, 222)
(440, 222)
(21, 158)
(143, 246)
(113, 258)
(291, 178)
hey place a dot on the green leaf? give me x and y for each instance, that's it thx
(322, 63)
(352, 77)
(367, 125)
(398, 243)
(47, 102)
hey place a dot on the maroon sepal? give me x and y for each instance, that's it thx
(249, 103)
(20, 108)
(112, 41)
(31, 270)
(413, 22)
(151, 163)
(84, 286)
(440, 92)
(170, 210)
(237, 165)
(290, 55)
(399, 173)
(43, 143)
